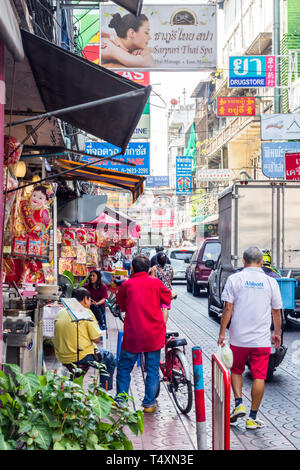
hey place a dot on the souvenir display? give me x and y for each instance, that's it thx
(12, 150)
(79, 269)
(34, 247)
(68, 251)
(81, 236)
(65, 264)
(68, 237)
(81, 254)
(19, 246)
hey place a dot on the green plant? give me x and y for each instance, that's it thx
(52, 412)
(75, 285)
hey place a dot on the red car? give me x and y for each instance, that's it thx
(196, 272)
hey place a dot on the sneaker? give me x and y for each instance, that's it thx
(254, 423)
(150, 409)
(238, 412)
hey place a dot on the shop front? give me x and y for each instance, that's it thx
(59, 85)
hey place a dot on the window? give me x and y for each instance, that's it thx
(211, 251)
(181, 255)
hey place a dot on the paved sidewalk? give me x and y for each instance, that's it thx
(166, 429)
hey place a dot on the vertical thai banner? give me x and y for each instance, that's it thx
(184, 167)
(142, 130)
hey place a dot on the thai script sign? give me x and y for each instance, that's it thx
(292, 166)
(273, 155)
(252, 71)
(136, 152)
(164, 37)
(236, 106)
(280, 127)
(214, 174)
(184, 175)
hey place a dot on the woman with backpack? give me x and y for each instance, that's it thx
(164, 271)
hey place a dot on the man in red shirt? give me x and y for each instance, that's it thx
(144, 327)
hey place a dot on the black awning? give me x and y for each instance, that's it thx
(65, 80)
(134, 6)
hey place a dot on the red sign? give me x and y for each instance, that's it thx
(143, 78)
(236, 106)
(292, 166)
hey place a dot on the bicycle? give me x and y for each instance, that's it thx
(175, 371)
(112, 304)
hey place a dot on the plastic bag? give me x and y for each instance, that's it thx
(225, 355)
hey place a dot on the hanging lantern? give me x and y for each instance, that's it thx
(12, 150)
(19, 169)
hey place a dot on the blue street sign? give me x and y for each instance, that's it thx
(273, 157)
(252, 71)
(184, 175)
(136, 152)
(157, 181)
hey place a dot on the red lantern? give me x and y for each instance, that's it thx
(12, 150)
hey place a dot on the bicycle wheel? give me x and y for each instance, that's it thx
(143, 370)
(181, 386)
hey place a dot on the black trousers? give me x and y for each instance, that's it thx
(99, 312)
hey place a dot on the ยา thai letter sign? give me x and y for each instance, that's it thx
(252, 71)
(136, 152)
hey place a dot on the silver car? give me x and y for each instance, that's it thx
(179, 258)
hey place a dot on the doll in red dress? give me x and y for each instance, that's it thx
(35, 212)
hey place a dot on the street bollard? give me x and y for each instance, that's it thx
(120, 338)
(199, 398)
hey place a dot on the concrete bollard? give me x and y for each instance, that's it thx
(199, 398)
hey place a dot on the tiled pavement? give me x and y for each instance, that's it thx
(168, 429)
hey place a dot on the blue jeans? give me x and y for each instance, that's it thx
(109, 360)
(125, 365)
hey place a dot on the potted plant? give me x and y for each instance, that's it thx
(53, 412)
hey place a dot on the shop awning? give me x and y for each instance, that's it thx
(65, 81)
(109, 178)
(104, 219)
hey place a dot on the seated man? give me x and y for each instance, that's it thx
(66, 340)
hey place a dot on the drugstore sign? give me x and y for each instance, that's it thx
(252, 71)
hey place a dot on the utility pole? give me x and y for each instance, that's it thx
(276, 52)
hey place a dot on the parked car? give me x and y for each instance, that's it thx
(196, 272)
(179, 257)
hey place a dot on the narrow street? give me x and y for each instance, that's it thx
(167, 429)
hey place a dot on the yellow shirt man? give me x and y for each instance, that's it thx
(65, 337)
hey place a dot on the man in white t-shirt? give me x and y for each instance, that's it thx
(251, 300)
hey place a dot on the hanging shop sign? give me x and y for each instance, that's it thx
(184, 175)
(292, 166)
(280, 126)
(164, 37)
(217, 174)
(236, 106)
(142, 130)
(162, 211)
(136, 152)
(273, 155)
(157, 181)
(252, 71)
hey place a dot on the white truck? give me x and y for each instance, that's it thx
(264, 214)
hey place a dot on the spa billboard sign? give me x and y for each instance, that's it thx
(163, 37)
